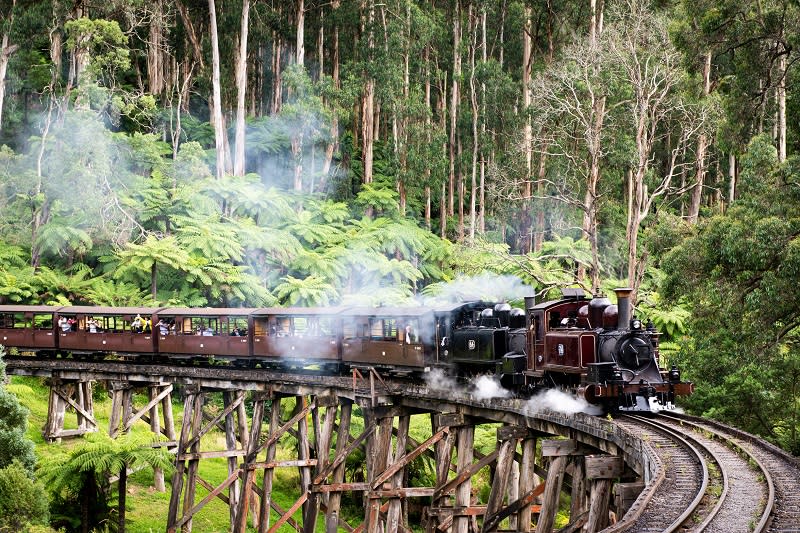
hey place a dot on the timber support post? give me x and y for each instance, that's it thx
(75, 394)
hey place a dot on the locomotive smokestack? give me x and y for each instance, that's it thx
(623, 306)
(530, 301)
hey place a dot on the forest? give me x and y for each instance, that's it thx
(308, 152)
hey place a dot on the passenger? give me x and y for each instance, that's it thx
(136, 325)
(63, 324)
(148, 325)
(163, 328)
(92, 325)
(73, 324)
(208, 332)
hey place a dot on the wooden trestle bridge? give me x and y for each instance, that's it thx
(538, 454)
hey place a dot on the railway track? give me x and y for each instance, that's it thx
(777, 472)
(715, 479)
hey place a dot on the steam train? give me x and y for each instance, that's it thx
(587, 345)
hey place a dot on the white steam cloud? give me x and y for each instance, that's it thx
(486, 286)
(488, 387)
(560, 402)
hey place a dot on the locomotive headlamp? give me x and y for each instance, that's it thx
(636, 324)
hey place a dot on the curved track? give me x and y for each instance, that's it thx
(777, 472)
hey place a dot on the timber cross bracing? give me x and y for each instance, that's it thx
(522, 495)
(523, 473)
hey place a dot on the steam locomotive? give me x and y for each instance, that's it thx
(587, 345)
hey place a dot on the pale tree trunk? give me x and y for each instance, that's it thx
(402, 133)
(473, 99)
(330, 148)
(300, 53)
(782, 74)
(731, 178)
(597, 119)
(5, 54)
(527, 129)
(241, 91)
(454, 97)
(482, 185)
(426, 62)
(300, 47)
(702, 150)
(277, 74)
(461, 190)
(368, 96)
(219, 131)
(443, 212)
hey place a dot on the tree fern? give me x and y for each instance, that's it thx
(309, 291)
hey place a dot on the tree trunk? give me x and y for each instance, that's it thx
(782, 74)
(122, 489)
(241, 90)
(216, 100)
(153, 279)
(368, 98)
(277, 73)
(702, 150)
(5, 55)
(297, 139)
(155, 57)
(454, 97)
(473, 99)
(300, 47)
(330, 148)
(197, 51)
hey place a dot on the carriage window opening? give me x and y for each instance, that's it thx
(8, 321)
(204, 326)
(237, 326)
(43, 321)
(383, 329)
(260, 326)
(356, 328)
(301, 326)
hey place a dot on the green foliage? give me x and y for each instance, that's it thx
(736, 275)
(15, 447)
(78, 479)
(23, 502)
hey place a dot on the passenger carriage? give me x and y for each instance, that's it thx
(308, 335)
(99, 330)
(28, 327)
(219, 332)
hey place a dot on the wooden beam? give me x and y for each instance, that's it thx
(213, 423)
(406, 459)
(604, 466)
(211, 495)
(465, 474)
(89, 417)
(558, 447)
(152, 403)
